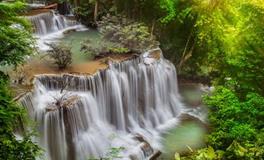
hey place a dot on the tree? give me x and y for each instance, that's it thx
(15, 36)
(10, 113)
(90, 11)
(61, 55)
(15, 44)
(237, 127)
(230, 39)
(133, 36)
(170, 21)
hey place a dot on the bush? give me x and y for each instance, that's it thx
(133, 36)
(237, 126)
(10, 113)
(16, 39)
(87, 14)
(121, 35)
(84, 13)
(61, 55)
(16, 43)
(104, 49)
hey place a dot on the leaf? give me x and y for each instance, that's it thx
(177, 156)
(211, 153)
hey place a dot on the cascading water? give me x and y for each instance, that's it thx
(128, 105)
(49, 27)
(48, 23)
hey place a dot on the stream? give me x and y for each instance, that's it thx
(135, 105)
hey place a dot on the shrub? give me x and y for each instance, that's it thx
(61, 55)
(133, 36)
(84, 13)
(121, 35)
(16, 43)
(104, 49)
(237, 126)
(10, 113)
(16, 39)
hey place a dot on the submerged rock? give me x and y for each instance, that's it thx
(69, 31)
(152, 56)
(64, 101)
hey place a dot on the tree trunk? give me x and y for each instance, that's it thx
(186, 55)
(153, 28)
(64, 8)
(95, 11)
(76, 3)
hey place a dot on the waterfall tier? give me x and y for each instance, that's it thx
(128, 105)
(50, 27)
(50, 22)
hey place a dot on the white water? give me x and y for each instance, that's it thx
(50, 27)
(136, 98)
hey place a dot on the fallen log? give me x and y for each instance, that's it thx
(155, 155)
(51, 6)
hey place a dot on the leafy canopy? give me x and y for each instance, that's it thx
(230, 37)
(15, 43)
(10, 115)
(15, 38)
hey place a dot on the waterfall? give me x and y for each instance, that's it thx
(49, 27)
(48, 23)
(128, 105)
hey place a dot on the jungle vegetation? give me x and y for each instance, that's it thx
(221, 40)
(15, 43)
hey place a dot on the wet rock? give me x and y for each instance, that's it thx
(133, 157)
(152, 56)
(189, 118)
(155, 155)
(147, 149)
(69, 31)
(64, 101)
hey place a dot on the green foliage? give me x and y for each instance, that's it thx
(121, 35)
(169, 7)
(61, 55)
(163, 11)
(222, 39)
(205, 154)
(233, 119)
(105, 48)
(237, 126)
(15, 43)
(113, 153)
(230, 37)
(131, 36)
(84, 13)
(91, 49)
(10, 113)
(170, 20)
(16, 40)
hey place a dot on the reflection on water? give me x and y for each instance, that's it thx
(75, 39)
(183, 138)
(191, 94)
(189, 135)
